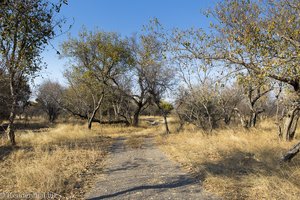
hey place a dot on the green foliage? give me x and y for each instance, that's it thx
(263, 38)
(98, 56)
(98, 62)
(25, 29)
(23, 95)
(166, 106)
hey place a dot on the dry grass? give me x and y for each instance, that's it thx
(49, 160)
(144, 128)
(237, 163)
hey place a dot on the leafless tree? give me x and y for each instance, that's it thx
(50, 99)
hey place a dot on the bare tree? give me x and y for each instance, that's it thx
(199, 106)
(49, 97)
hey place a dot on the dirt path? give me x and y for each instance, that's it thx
(144, 173)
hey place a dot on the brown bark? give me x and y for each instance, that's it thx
(291, 153)
(10, 131)
(290, 124)
(136, 116)
(166, 124)
(253, 119)
(91, 118)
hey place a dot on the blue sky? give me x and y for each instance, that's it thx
(125, 17)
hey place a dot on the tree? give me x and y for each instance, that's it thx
(255, 90)
(25, 29)
(147, 52)
(159, 76)
(49, 97)
(83, 97)
(160, 79)
(23, 96)
(97, 61)
(4, 96)
(199, 105)
(229, 97)
(262, 39)
(166, 109)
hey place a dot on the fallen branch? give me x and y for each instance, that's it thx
(291, 153)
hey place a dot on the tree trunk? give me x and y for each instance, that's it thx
(166, 124)
(90, 121)
(290, 124)
(227, 119)
(10, 131)
(91, 118)
(253, 119)
(136, 116)
(294, 125)
(116, 112)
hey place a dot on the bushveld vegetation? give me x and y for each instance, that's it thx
(233, 91)
(236, 163)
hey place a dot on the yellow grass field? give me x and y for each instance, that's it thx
(237, 164)
(53, 159)
(50, 159)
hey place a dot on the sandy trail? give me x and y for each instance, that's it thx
(144, 173)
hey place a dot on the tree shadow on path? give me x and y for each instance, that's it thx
(177, 182)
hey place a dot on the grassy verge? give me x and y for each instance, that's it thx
(50, 159)
(237, 163)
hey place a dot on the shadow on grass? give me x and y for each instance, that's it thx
(238, 165)
(6, 151)
(33, 126)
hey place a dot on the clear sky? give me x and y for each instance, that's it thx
(125, 17)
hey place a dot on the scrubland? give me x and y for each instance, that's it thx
(232, 163)
(235, 163)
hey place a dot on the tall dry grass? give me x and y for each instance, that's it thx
(49, 160)
(236, 163)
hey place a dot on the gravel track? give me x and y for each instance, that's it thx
(144, 173)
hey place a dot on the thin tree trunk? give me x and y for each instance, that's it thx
(166, 124)
(91, 118)
(227, 119)
(253, 119)
(11, 128)
(90, 121)
(10, 131)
